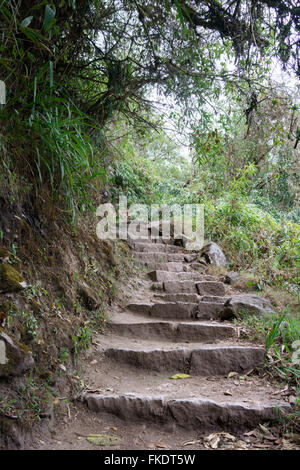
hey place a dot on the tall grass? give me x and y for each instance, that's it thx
(48, 137)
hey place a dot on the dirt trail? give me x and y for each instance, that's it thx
(170, 327)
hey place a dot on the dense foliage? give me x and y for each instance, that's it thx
(82, 78)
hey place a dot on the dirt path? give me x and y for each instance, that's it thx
(170, 327)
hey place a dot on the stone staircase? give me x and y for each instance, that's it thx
(172, 328)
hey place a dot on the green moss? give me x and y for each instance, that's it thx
(10, 278)
(13, 360)
(5, 307)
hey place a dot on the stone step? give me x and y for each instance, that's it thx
(155, 247)
(180, 297)
(211, 288)
(162, 276)
(171, 266)
(149, 240)
(189, 297)
(190, 276)
(173, 331)
(184, 286)
(212, 298)
(159, 257)
(168, 310)
(208, 310)
(203, 360)
(178, 310)
(202, 415)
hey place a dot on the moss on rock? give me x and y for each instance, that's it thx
(10, 279)
(18, 357)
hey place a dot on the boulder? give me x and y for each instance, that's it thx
(213, 254)
(245, 303)
(15, 357)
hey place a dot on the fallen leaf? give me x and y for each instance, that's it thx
(114, 428)
(214, 442)
(161, 445)
(214, 439)
(288, 445)
(255, 433)
(267, 434)
(227, 392)
(261, 446)
(240, 444)
(191, 443)
(180, 376)
(151, 446)
(231, 374)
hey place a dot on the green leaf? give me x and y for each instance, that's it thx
(180, 376)
(49, 17)
(51, 73)
(179, 10)
(26, 22)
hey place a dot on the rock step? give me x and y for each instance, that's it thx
(159, 257)
(205, 360)
(188, 287)
(180, 297)
(197, 414)
(155, 247)
(174, 310)
(187, 297)
(163, 276)
(214, 299)
(171, 266)
(172, 331)
(148, 240)
(178, 310)
(211, 288)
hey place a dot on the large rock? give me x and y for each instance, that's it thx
(245, 303)
(15, 358)
(213, 254)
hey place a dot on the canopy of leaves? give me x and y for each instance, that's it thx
(106, 53)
